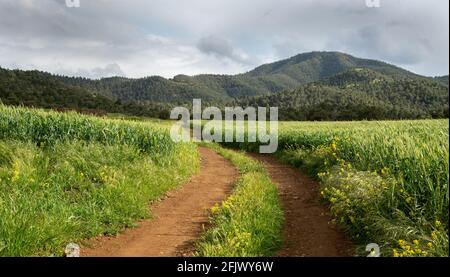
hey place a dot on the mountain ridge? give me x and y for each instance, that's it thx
(337, 74)
(263, 80)
(360, 93)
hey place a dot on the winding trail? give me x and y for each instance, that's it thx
(306, 232)
(178, 220)
(182, 216)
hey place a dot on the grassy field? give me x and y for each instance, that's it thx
(248, 223)
(68, 177)
(386, 182)
(45, 128)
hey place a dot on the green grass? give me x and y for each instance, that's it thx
(68, 177)
(91, 176)
(48, 127)
(386, 182)
(248, 223)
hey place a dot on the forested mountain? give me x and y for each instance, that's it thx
(264, 80)
(313, 86)
(314, 66)
(442, 79)
(359, 93)
(38, 89)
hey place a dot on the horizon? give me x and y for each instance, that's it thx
(103, 39)
(170, 78)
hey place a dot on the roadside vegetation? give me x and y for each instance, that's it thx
(68, 177)
(385, 182)
(248, 223)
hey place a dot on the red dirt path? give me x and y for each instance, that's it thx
(307, 232)
(178, 220)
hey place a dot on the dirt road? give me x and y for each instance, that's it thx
(181, 218)
(307, 232)
(178, 220)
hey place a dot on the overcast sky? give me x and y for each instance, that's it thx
(137, 38)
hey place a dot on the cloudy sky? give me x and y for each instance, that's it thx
(137, 38)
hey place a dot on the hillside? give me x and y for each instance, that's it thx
(360, 94)
(310, 67)
(442, 79)
(316, 86)
(38, 89)
(263, 80)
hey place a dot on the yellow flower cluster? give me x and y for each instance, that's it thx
(226, 205)
(414, 249)
(435, 234)
(15, 173)
(108, 178)
(333, 147)
(385, 171)
(215, 208)
(240, 239)
(352, 193)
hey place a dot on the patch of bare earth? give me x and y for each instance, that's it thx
(307, 231)
(178, 220)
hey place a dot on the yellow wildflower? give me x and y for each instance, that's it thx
(15, 175)
(434, 234)
(215, 208)
(395, 254)
(333, 146)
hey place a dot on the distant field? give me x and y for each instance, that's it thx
(68, 177)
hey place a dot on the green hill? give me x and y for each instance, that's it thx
(310, 67)
(38, 89)
(263, 80)
(360, 94)
(315, 85)
(442, 79)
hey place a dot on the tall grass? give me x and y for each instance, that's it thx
(48, 127)
(68, 177)
(415, 152)
(411, 157)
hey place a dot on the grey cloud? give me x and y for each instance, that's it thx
(220, 47)
(109, 70)
(217, 46)
(168, 37)
(410, 34)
